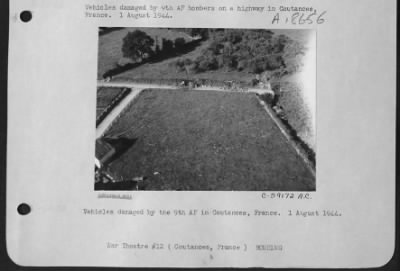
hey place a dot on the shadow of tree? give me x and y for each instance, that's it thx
(121, 145)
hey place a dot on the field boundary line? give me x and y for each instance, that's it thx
(134, 93)
(122, 111)
(281, 127)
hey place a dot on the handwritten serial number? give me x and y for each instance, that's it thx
(300, 18)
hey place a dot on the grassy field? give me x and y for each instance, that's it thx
(105, 95)
(206, 140)
(110, 45)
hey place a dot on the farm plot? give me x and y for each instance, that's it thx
(205, 140)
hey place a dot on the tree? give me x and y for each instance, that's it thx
(157, 50)
(179, 44)
(157, 47)
(215, 47)
(137, 45)
(167, 46)
(201, 32)
(279, 43)
(235, 36)
(184, 64)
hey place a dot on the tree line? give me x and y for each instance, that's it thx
(247, 50)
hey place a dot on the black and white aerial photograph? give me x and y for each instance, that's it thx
(196, 109)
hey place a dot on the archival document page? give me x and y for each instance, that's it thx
(201, 133)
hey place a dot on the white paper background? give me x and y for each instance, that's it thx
(51, 120)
